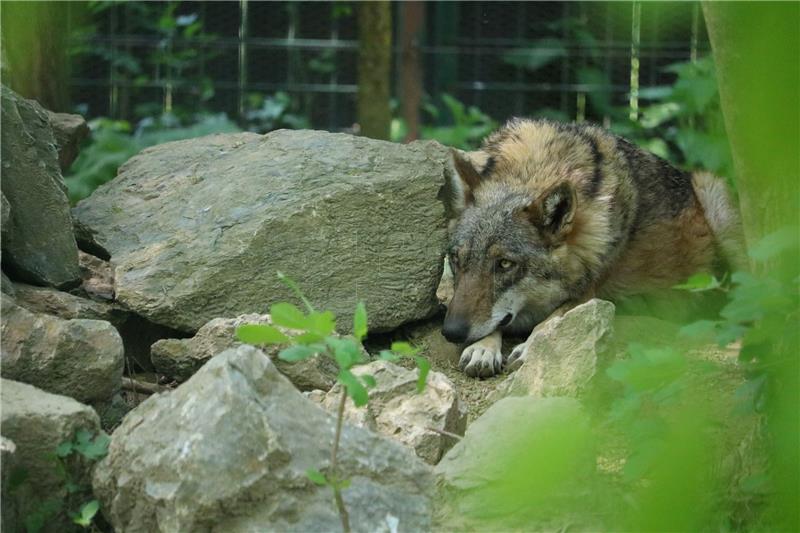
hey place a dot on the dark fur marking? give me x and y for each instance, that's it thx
(487, 170)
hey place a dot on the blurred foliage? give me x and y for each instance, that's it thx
(451, 123)
(175, 64)
(266, 113)
(114, 141)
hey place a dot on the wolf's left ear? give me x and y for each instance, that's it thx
(466, 178)
(553, 211)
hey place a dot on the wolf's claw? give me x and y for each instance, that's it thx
(517, 356)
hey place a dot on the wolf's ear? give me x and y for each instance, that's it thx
(466, 178)
(553, 211)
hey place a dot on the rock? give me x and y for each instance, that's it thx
(180, 358)
(398, 412)
(63, 304)
(198, 228)
(5, 210)
(97, 276)
(69, 132)
(229, 449)
(562, 358)
(514, 465)
(7, 285)
(38, 245)
(36, 422)
(79, 358)
(137, 333)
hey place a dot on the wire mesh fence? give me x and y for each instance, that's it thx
(569, 60)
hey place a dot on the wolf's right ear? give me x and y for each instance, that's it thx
(466, 179)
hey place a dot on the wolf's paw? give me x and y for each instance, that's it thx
(480, 360)
(517, 356)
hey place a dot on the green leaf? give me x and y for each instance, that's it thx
(775, 243)
(536, 55)
(87, 513)
(288, 315)
(346, 351)
(93, 449)
(702, 281)
(360, 321)
(403, 348)
(701, 328)
(308, 338)
(388, 355)
(322, 324)
(295, 289)
(317, 477)
(424, 367)
(260, 334)
(355, 389)
(64, 449)
(369, 380)
(295, 353)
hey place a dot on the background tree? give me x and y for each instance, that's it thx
(35, 45)
(756, 49)
(374, 64)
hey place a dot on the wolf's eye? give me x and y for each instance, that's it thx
(505, 264)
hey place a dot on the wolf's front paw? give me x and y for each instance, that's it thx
(517, 356)
(480, 360)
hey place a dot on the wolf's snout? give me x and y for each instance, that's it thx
(455, 329)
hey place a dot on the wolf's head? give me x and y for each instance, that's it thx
(506, 251)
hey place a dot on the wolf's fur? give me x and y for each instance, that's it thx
(576, 212)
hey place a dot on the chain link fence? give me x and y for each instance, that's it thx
(568, 60)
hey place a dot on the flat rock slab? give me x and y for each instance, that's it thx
(38, 243)
(199, 228)
(180, 358)
(562, 356)
(79, 358)
(229, 449)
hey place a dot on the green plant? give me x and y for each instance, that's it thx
(466, 126)
(76, 502)
(267, 113)
(311, 334)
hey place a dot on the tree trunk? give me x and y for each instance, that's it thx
(756, 50)
(374, 64)
(413, 20)
(35, 48)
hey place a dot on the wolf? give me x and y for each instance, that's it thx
(550, 215)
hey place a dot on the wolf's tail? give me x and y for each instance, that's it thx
(723, 217)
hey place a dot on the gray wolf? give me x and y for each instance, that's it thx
(550, 215)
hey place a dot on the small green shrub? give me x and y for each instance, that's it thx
(78, 503)
(313, 336)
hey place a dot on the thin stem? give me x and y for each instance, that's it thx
(337, 491)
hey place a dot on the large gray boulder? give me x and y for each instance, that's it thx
(37, 422)
(80, 358)
(421, 421)
(197, 229)
(180, 358)
(229, 450)
(38, 244)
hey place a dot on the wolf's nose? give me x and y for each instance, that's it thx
(455, 330)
